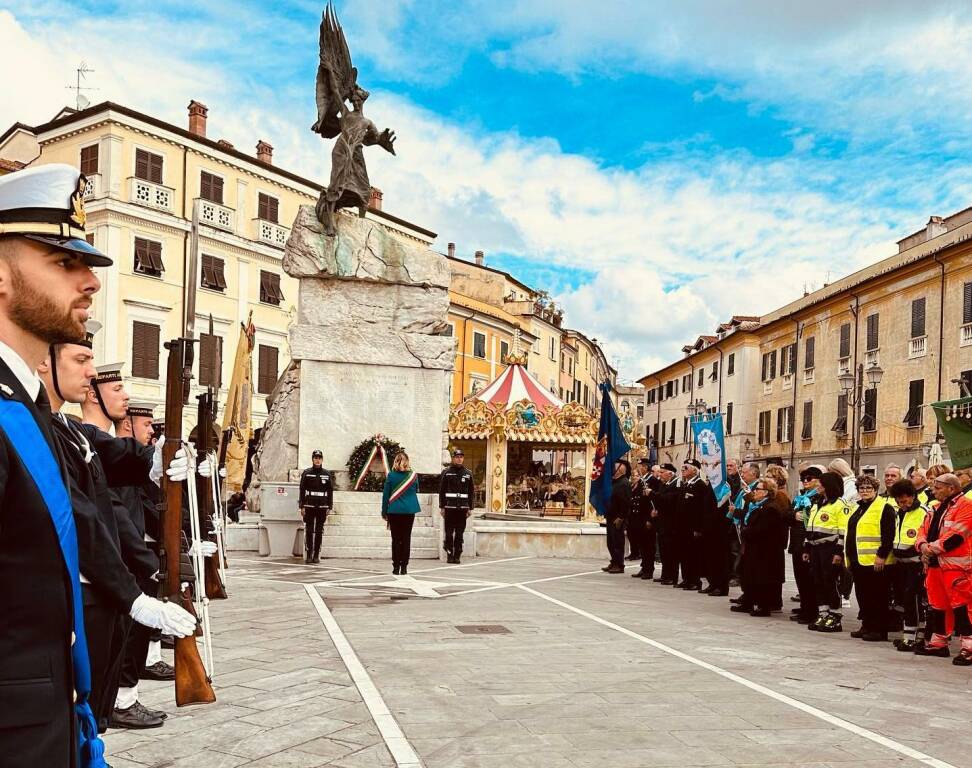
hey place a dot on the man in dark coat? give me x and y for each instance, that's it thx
(315, 499)
(456, 494)
(619, 509)
(697, 504)
(665, 498)
(644, 519)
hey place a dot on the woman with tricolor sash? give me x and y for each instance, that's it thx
(399, 505)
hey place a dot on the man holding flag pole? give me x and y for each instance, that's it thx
(610, 479)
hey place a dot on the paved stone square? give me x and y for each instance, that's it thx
(538, 662)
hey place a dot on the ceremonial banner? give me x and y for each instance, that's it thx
(710, 449)
(611, 446)
(955, 420)
(237, 416)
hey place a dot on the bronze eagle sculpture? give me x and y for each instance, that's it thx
(337, 85)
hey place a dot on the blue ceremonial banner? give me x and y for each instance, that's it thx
(611, 446)
(710, 450)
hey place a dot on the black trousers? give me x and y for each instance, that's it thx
(634, 542)
(455, 527)
(907, 582)
(825, 576)
(615, 540)
(715, 564)
(803, 575)
(648, 541)
(688, 556)
(872, 590)
(401, 537)
(314, 529)
(106, 640)
(734, 553)
(668, 550)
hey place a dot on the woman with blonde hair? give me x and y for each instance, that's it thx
(399, 505)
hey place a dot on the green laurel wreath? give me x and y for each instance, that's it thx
(356, 462)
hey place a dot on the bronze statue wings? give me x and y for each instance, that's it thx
(336, 77)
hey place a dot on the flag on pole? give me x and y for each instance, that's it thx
(955, 420)
(710, 449)
(237, 416)
(611, 446)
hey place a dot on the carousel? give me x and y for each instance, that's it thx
(530, 453)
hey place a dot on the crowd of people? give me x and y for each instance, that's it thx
(903, 547)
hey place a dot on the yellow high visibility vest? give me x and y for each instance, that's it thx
(868, 532)
(907, 534)
(886, 500)
(925, 497)
(827, 523)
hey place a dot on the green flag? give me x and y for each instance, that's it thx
(955, 420)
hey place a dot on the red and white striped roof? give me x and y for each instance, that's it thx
(514, 384)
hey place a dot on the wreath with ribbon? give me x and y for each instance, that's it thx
(376, 447)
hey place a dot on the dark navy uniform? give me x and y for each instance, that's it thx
(642, 526)
(316, 498)
(456, 491)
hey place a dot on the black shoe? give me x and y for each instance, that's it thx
(403, 571)
(646, 577)
(606, 568)
(316, 559)
(718, 593)
(615, 569)
(801, 619)
(455, 560)
(134, 718)
(707, 590)
(964, 659)
(906, 646)
(633, 556)
(395, 571)
(659, 580)
(448, 555)
(933, 650)
(158, 671)
(795, 599)
(308, 558)
(736, 600)
(639, 575)
(741, 608)
(795, 610)
(151, 712)
(760, 612)
(875, 637)
(857, 634)
(831, 624)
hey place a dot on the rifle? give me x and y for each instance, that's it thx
(215, 589)
(192, 685)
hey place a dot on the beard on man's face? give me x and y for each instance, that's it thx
(40, 315)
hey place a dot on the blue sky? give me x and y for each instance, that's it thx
(656, 166)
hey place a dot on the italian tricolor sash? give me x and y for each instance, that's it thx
(399, 490)
(377, 450)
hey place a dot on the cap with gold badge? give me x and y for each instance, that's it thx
(46, 204)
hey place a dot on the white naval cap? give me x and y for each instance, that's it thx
(141, 409)
(109, 372)
(46, 203)
(90, 329)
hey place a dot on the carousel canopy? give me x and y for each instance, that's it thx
(516, 384)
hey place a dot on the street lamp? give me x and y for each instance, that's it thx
(695, 411)
(852, 387)
(748, 445)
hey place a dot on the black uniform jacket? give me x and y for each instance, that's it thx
(620, 505)
(665, 498)
(456, 488)
(316, 489)
(37, 724)
(697, 506)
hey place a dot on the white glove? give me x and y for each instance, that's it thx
(207, 548)
(155, 473)
(168, 617)
(222, 472)
(179, 467)
(205, 467)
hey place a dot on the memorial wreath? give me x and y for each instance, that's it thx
(376, 447)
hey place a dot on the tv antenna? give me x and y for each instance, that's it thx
(80, 99)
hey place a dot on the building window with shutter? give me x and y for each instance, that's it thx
(268, 208)
(675, 391)
(148, 257)
(211, 187)
(808, 352)
(731, 364)
(965, 384)
(210, 374)
(267, 369)
(791, 352)
(145, 350)
(641, 412)
(918, 318)
(845, 333)
(966, 303)
(872, 332)
(270, 292)
(669, 388)
(504, 351)
(212, 276)
(701, 378)
(916, 397)
(148, 166)
(765, 417)
(807, 433)
(729, 418)
(89, 160)
(685, 429)
(664, 427)
(553, 348)
(840, 425)
(715, 371)
(869, 419)
(479, 345)
(671, 437)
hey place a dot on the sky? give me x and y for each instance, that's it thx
(655, 166)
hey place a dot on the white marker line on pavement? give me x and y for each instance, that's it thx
(473, 565)
(391, 732)
(523, 583)
(877, 738)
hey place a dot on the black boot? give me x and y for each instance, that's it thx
(395, 570)
(308, 557)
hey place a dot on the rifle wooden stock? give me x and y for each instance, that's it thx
(191, 684)
(185, 600)
(215, 589)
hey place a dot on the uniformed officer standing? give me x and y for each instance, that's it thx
(642, 525)
(696, 505)
(665, 498)
(455, 504)
(315, 500)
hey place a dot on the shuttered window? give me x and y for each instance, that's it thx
(872, 332)
(772, 371)
(808, 352)
(268, 208)
(212, 274)
(715, 371)
(148, 257)
(145, 350)
(918, 318)
(807, 432)
(209, 360)
(967, 303)
(685, 429)
(270, 292)
(664, 426)
(869, 419)
(765, 418)
(479, 345)
(148, 166)
(784, 424)
(845, 330)
(671, 436)
(701, 378)
(676, 389)
(267, 369)
(89, 160)
(210, 187)
(916, 396)
(729, 418)
(840, 425)
(731, 364)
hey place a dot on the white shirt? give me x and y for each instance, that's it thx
(28, 378)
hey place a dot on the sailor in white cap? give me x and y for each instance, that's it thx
(46, 290)
(107, 400)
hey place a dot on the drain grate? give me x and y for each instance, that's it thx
(483, 629)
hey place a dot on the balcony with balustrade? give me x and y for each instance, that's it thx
(216, 215)
(271, 233)
(965, 335)
(150, 194)
(917, 347)
(92, 187)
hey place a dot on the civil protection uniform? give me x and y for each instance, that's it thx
(869, 536)
(665, 499)
(316, 498)
(642, 526)
(825, 524)
(456, 495)
(907, 579)
(45, 718)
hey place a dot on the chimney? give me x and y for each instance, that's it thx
(197, 118)
(224, 143)
(374, 200)
(480, 257)
(452, 250)
(264, 152)
(935, 227)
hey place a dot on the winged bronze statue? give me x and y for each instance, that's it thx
(337, 84)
